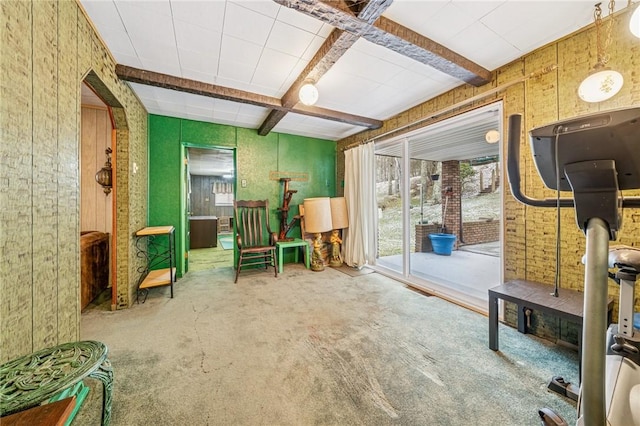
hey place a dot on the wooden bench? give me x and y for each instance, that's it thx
(536, 297)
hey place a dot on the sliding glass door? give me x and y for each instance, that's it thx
(441, 185)
(389, 194)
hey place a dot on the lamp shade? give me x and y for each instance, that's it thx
(339, 216)
(317, 215)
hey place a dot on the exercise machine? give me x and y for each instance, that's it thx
(595, 156)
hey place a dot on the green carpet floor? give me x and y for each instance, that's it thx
(210, 258)
(316, 348)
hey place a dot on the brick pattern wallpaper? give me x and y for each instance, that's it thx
(530, 236)
(47, 50)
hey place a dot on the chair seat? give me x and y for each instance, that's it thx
(258, 249)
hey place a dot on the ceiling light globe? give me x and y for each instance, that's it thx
(308, 94)
(492, 136)
(600, 86)
(634, 22)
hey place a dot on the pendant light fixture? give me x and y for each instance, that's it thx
(308, 93)
(603, 82)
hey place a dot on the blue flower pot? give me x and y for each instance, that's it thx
(442, 243)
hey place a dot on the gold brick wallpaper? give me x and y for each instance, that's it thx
(47, 49)
(529, 233)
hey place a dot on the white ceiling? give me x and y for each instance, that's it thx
(261, 47)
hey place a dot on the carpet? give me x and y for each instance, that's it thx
(316, 348)
(226, 241)
(354, 272)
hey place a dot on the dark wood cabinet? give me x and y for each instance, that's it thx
(203, 231)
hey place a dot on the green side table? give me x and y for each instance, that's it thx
(32, 379)
(296, 243)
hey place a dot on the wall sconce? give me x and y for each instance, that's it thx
(308, 93)
(603, 82)
(103, 177)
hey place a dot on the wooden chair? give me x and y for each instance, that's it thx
(256, 243)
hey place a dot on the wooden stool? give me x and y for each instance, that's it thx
(32, 379)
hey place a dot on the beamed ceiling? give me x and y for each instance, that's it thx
(241, 62)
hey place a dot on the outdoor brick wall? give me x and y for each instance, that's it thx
(528, 238)
(451, 201)
(423, 243)
(481, 232)
(47, 50)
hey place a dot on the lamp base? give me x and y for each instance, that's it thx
(335, 263)
(317, 264)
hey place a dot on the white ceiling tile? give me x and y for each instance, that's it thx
(143, 23)
(264, 7)
(313, 47)
(299, 20)
(197, 39)
(233, 71)
(205, 112)
(155, 52)
(118, 42)
(104, 14)
(199, 101)
(209, 78)
(240, 50)
(198, 63)
(288, 39)
(256, 112)
(226, 106)
(446, 23)
(246, 24)
(208, 15)
(144, 91)
(477, 9)
(277, 64)
(130, 60)
(416, 15)
(224, 117)
(371, 67)
(162, 67)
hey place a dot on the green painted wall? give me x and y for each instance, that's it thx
(259, 159)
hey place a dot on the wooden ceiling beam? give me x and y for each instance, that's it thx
(335, 45)
(387, 33)
(155, 79)
(342, 117)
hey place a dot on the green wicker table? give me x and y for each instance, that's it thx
(32, 379)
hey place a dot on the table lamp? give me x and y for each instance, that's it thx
(339, 220)
(317, 219)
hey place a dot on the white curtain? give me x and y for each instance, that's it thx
(359, 191)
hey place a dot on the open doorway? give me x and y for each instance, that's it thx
(210, 195)
(96, 199)
(443, 181)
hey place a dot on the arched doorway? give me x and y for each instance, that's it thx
(108, 130)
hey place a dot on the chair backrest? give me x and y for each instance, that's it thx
(252, 222)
